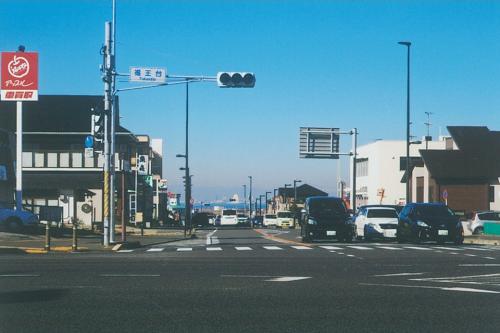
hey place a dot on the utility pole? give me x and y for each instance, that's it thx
(407, 44)
(112, 72)
(250, 197)
(354, 134)
(107, 78)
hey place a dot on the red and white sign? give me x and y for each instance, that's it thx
(19, 76)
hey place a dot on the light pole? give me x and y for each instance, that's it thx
(274, 200)
(187, 184)
(295, 181)
(285, 195)
(266, 200)
(260, 203)
(250, 196)
(245, 197)
(407, 44)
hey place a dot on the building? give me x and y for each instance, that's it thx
(285, 196)
(56, 170)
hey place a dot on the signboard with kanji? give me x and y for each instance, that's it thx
(19, 76)
(147, 74)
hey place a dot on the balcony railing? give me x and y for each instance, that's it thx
(68, 160)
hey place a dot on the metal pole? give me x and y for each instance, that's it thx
(107, 107)
(19, 155)
(354, 134)
(187, 212)
(124, 227)
(260, 205)
(250, 197)
(274, 200)
(408, 128)
(265, 204)
(112, 71)
(47, 236)
(74, 247)
(256, 205)
(245, 197)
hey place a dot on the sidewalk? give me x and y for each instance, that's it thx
(87, 241)
(482, 240)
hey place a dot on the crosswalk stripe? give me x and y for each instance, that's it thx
(272, 248)
(302, 247)
(124, 251)
(475, 248)
(243, 248)
(184, 249)
(214, 248)
(417, 248)
(448, 248)
(389, 248)
(360, 247)
(155, 249)
(331, 247)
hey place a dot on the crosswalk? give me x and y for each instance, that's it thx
(330, 248)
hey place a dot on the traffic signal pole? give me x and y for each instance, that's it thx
(107, 107)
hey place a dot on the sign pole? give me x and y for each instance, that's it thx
(19, 155)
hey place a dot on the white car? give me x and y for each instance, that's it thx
(285, 220)
(229, 217)
(477, 222)
(377, 222)
(269, 220)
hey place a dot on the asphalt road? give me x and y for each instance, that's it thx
(241, 280)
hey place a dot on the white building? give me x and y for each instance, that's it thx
(378, 171)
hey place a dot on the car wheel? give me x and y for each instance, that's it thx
(399, 236)
(13, 224)
(367, 235)
(417, 239)
(458, 241)
(479, 231)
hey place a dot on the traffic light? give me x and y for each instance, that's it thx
(97, 128)
(235, 80)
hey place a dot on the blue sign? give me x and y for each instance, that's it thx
(89, 141)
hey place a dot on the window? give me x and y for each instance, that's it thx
(77, 160)
(27, 159)
(382, 213)
(39, 160)
(52, 160)
(361, 167)
(64, 160)
(491, 193)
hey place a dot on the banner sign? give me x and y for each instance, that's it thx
(19, 76)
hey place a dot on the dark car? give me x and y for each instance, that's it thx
(326, 218)
(429, 222)
(202, 219)
(257, 221)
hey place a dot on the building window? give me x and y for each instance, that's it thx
(39, 160)
(27, 159)
(77, 160)
(491, 193)
(361, 167)
(64, 160)
(89, 162)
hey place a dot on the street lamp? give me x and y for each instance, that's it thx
(266, 200)
(407, 44)
(286, 196)
(274, 200)
(250, 196)
(187, 187)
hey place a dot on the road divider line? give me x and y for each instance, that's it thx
(330, 247)
(129, 275)
(429, 287)
(389, 248)
(272, 248)
(300, 247)
(243, 248)
(214, 248)
(360, 247)
(184, 249)
(155, 249)
(124, 251)
(20, 275)
(417, 248)
(400, 274)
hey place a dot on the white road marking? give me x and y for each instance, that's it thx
(155, 249)
(20, 275)
(243, 248)
(448, 248)
(470, 255)
(289, 278)
(389, 248)
(214, 248)
(350, 255)
(428, 287)
(184, 249)
(490, 258)
(479, 265)
(453, 253)
(400, 274)
(302, 247)
(484, 279)
(129, 275)
(209, 237)
(125, 251)
(476, 248)
(331, 247)
(361, 247)
(417, 248)
(273, 248)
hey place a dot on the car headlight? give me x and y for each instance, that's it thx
(422, 224)
(312, 222)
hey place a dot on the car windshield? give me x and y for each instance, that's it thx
(434, 211)
(241, 215)
(270, 216)
(490, 216)
(285, 214)
(380, 213)
(229, 212)
(327, 207)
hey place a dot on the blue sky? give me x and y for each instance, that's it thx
(317, 63)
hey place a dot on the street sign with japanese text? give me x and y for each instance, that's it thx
(148, 74)
(19, 76)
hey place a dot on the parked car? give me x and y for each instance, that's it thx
(285, 220)
(378, 222)
(326, 218)
(429, 221)
(257, 221)
(269, 220)
(17, 220)
(398, 208)
(479, 218)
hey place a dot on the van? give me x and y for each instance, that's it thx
(229, 217)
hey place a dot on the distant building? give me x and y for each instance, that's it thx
(285, 196)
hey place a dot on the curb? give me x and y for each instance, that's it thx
(12, 250)
(482, 241)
